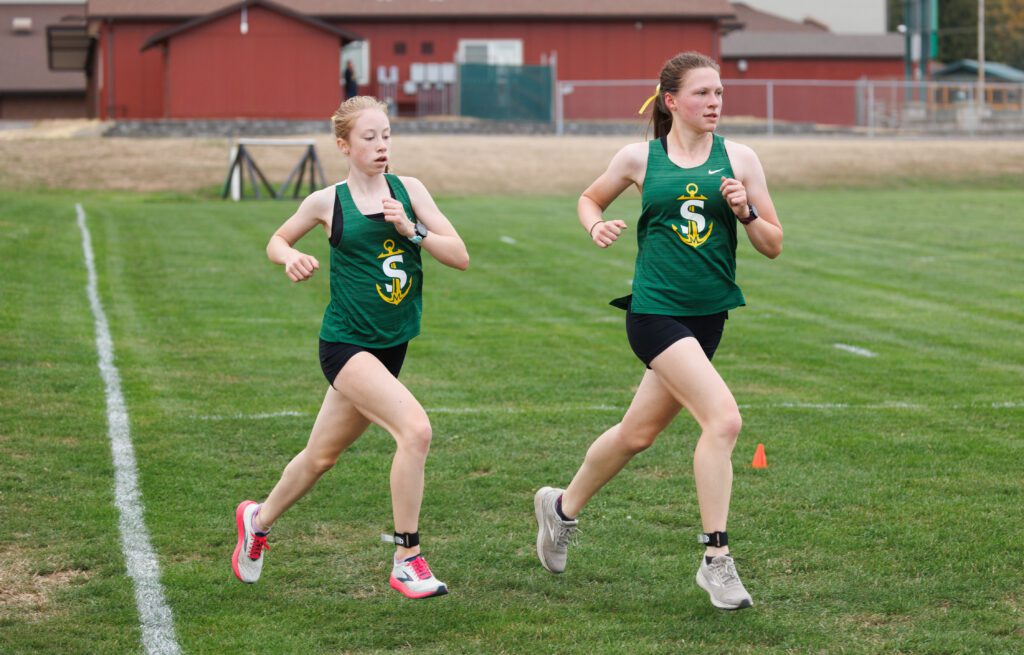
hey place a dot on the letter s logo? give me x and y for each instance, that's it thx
(686, 211)
(390, 268)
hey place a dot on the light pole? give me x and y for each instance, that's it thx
(981, 56)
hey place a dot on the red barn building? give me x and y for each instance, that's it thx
(221, 59)
(262, 59)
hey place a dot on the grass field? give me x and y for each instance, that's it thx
(889, 520)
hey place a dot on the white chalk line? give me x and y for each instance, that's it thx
(856, 350)
(542, 409)
(249, 417)
(156, 620)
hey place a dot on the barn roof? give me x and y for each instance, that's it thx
(754, 20)
(968, 69)
(812, 44)
(164, 35)
(447, 9)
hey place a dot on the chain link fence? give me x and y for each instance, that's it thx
(866, 107)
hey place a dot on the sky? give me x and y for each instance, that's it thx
(841, 16)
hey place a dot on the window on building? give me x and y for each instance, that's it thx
(427, 48)
(21, 25)
(508, 52)
(399, 47)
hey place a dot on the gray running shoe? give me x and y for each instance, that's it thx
(723, 584)
(553, 533)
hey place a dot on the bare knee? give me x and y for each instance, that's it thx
(416, 437)
(637, 438)
(725, 426)
(318, 464)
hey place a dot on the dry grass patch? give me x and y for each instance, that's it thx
(63, 156)
(24, 592)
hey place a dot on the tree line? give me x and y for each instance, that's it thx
(958, 29)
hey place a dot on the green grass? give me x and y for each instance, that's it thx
(889, 520)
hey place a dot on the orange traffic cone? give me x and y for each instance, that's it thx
(760, 461)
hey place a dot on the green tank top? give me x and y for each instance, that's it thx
(686, 258)
(376, 276)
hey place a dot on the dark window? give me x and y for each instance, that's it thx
(427, 48)
(399, 47)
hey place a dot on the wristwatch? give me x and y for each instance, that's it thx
(751, 216)
(420, 234)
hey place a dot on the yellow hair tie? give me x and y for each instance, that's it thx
(657, 90)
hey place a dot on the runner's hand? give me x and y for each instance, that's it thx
(606, 233)
(299, 266)
(394, 213)
(736, 195)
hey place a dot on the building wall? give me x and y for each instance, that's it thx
(42, 105)
(128, 83)
(587, 50)
(823, 68)
(28, 88)
(804, 102)
(281, 68)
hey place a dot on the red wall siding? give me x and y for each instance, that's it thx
(816, 69)
(835, 105)
(586, 50)
(281, 69)
(285, 69)
(132, 81)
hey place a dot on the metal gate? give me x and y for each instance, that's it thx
(516, 93)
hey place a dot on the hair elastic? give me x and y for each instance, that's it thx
(657, 90)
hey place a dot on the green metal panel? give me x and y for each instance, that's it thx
(517, 93)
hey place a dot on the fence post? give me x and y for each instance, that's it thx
(770, 92)
(871, 110)
(559, 117)
(553, 62)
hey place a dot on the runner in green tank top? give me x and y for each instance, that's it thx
(697, 191)
(377, 224)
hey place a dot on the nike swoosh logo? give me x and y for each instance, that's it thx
(717, 170)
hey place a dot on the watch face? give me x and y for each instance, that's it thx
(421, 230)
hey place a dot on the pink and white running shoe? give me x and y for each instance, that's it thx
(412, 577)
(247, 560)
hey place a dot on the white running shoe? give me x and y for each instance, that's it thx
(247, 561)
(722, 583)
(553, 533)
(412, 577)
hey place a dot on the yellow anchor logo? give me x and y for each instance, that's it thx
(695, 222)
(392, 258)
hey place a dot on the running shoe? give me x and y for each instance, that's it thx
(412, 577)
(247, 561)
(722, 583)
(553, 533)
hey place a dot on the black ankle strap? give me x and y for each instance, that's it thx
(716, 539)
(403, 539)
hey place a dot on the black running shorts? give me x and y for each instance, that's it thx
(334, 356)
(650, 334)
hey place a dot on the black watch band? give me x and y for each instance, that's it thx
(751, 216)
